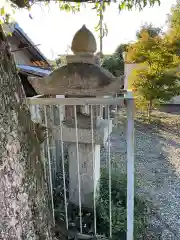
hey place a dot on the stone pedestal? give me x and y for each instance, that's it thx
(89, 173)
(100, 134)
(104, 127)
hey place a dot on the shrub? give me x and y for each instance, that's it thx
(118, 196)
(118, 204)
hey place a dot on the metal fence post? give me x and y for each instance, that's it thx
(130, 166)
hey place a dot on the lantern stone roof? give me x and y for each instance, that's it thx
(84, 71)
(78, 79)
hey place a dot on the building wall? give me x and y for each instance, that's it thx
(176, 100)
(170, 108)
(22, 56)
(128, 70)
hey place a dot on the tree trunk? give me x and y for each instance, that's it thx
(23, 191)
(149, 109)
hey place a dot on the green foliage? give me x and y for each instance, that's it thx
(114, 63)
(140, 51)
(156, 86)
(118, 204)
(174, 20)
(173, 34)
(98, 6)
(69, 7)
(122, 4)
(155, 81)
(150, 29)
(6, 14)
(122, 48)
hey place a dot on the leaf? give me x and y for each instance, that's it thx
(97, 27)
(2, 11)
(9, 34)
(122, 5)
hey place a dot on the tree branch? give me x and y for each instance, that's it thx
(121, 3)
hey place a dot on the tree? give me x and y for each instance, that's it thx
(173, 33)
(156, 81)
(122, 48)
(23, 206)
(155, 87)
(150, 29)
(68, 6)
(139, 51)
(174, 20)
(114, 63)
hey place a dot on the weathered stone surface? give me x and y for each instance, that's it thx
(89, 173)
(78, 79)
(84, 41)
(23, 207)
(100, 134)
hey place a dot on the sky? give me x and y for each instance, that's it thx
(54, 29)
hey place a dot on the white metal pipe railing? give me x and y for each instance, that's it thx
(99, 102)
(109, 168)
(49, 166)
(63, 168)
(76, 101)
(78, 169)
(130, 170)
(94, 187)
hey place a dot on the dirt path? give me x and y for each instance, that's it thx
(157, 163)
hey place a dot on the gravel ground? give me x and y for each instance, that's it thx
(157, 164)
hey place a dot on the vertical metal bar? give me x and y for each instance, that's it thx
(54, 143)
(106, 109)
(52, 147)
(63, 168)
(130, 169)
(101, 111)
(37, 111)
(107, 117)
(97, 111)
(94, 190)
(109, 167)
(57, 142)
(34, 107)
(44, 159)
(42, 144)
(116, 114)
(78, 170)
(49, 166)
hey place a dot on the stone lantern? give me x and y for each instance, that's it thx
(82, 77)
